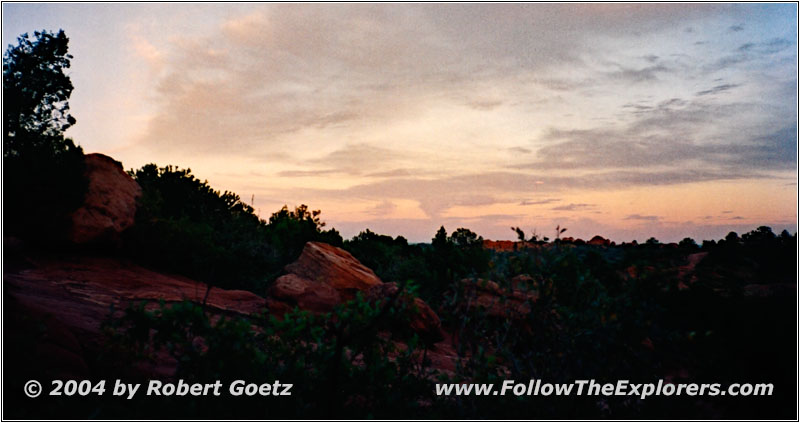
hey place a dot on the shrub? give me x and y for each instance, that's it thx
(339, 363)
(183, 225)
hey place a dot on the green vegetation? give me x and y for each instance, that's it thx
(183, 225)
(605, 313)
(341, 364)
(432, 268)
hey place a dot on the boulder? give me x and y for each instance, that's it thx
(325, 276)
(305, 294)
(322, 277)
(326, 264)
(109, 206)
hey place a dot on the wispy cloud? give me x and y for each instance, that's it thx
(717, 89)
(538, 202)
(573, 207)
(646, 218)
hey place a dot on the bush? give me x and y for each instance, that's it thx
(185, 226)
(339, 363)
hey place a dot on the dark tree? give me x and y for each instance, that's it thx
(440, 241)
(688, 243)
(463, 237)
(43, 170)
(36, 95)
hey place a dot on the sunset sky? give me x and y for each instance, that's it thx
(623, 120)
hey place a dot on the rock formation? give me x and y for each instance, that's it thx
(109, 206)
(325, 276)
(322, 277)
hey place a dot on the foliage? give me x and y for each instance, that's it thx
(184, 225)
(338, 362)
(430, 267)
(43, 170)
(35, 95)
(289, 230)
(618, 313)
(392, 259)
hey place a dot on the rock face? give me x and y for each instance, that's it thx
(109, 206)
(72, 296)
(323, 277)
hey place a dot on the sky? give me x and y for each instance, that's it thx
(623, 120)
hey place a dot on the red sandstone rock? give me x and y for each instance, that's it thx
(109, 206)
(333, 266)
(325, 276)
(72, 297)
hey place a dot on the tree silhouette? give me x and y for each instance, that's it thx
(463, 237)
(688, 243)
(43, 170)
(520, 233)
(35, 95)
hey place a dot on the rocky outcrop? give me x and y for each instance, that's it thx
(109, 206)
(325, 276)
(68, 299)
(322, 277)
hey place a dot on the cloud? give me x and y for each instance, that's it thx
(538, 202)
(574, 207)
(393, 173)
(147, 51)
(485, 104)
(305, 173)
(674, 133)
(647, 218)
(353, 159)
(384, 208)
(520, 150)
(772, 46)
(717, 89)
(756, 52)
(646, 74)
